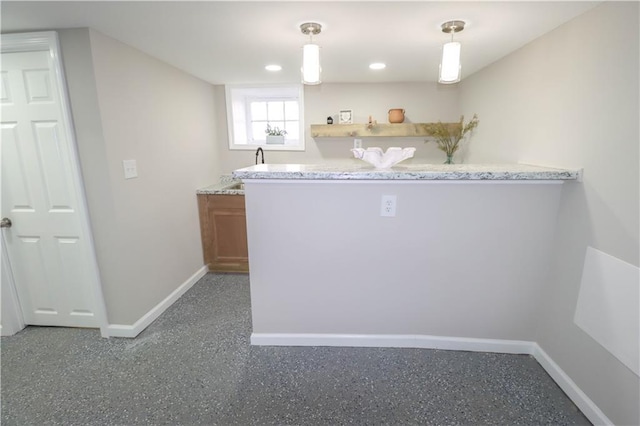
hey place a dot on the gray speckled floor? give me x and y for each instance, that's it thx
(194, 366)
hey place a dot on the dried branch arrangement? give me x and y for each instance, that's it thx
(449, 137)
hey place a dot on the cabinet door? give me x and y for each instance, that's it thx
(230, 230)
(224, 233)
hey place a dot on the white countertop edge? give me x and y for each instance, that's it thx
(465, 172)
(402, 182)
(579, 171)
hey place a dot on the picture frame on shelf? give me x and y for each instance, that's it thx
(345, 116)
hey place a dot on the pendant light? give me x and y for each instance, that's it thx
(311, 54)
(450, 68)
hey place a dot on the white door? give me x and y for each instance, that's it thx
(48, 245)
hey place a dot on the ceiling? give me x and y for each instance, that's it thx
(232, 41)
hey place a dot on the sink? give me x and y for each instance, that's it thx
(236, 186)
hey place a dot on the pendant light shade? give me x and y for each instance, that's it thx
(311, 64)
(450, 66)
(311, 55)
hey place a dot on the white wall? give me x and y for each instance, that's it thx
(127, 105)
(570, 98)
(459, 259)
(423, 102)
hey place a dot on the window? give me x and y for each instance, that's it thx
(251, 109)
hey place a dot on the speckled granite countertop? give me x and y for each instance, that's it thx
(407, 172)
(227, 186)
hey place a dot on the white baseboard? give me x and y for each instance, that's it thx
(119, 330)
(584, 403)
(394, 341)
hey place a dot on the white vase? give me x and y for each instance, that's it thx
(275, 140)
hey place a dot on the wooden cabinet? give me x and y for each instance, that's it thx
(223, 228)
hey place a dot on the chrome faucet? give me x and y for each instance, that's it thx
(259, 151)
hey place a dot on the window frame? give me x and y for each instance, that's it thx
(238, 98)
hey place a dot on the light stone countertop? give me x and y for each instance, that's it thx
(223, 187)
(517, 172)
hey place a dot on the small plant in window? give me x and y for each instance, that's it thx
(275, 136)
(275, 131)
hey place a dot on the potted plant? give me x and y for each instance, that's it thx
(449, 137)
(275, 135)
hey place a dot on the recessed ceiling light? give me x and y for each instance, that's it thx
(273, 67)
(377, 66)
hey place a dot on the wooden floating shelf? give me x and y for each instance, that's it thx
(365, 130)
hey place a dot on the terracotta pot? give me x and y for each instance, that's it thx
(396, 115)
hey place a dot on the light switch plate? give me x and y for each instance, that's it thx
(130, 169)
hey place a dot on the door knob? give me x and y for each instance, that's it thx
(5, 222)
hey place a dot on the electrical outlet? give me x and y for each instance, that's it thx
(130, 169)
(388, 207)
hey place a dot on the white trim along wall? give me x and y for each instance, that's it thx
(119, 330)
(586, 405)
